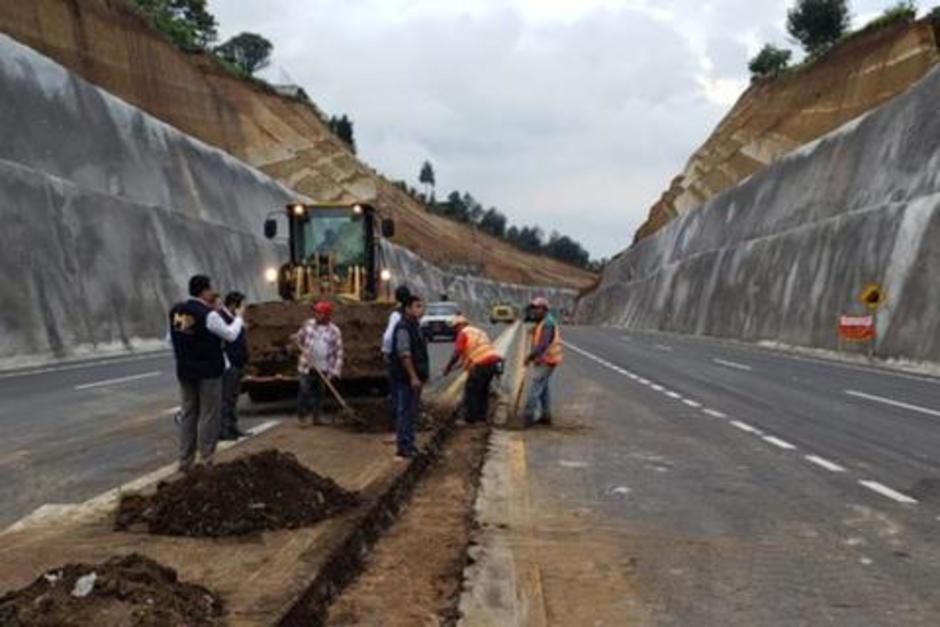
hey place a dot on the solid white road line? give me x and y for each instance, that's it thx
(733, 364)
(82, 364)
(778, 442)
(714, 413)
(664, 347)
(743, 426)
(691, 403)
(825, 463)
(888, 401)
(884, 490)
(135, 377)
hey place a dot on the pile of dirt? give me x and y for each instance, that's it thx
(266, 491)
(129, 590)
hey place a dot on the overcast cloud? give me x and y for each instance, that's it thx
(570, 114)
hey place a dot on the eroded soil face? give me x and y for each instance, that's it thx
(413, 576)
(128, 590)
(265, 491)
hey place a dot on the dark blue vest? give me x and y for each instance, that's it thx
(198, 352)
(419, 352)
(237, 351)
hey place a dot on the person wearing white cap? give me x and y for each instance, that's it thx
(546, 355)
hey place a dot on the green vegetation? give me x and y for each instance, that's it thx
(248, 52)
(770, 61)
(905, 11)
(342, 127)
(187, 23)
(426, 177)
(465, 209)
(818, 24)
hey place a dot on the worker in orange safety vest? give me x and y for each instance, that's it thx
(482, 362)
(546, 355)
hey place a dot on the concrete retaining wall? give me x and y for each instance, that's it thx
(781, 255)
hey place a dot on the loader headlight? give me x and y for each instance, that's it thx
(385, 274)
(298, 210)
(270, 275)
(357, 209)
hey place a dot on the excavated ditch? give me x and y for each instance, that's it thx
(265, 491)
(129, 590)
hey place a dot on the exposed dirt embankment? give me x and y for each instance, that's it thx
(108, 44)
(774, 117)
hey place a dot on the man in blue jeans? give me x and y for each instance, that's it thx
(410, 369)
(546, 355)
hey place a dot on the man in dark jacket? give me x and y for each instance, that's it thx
(410, 369)
(236, 356)
(197, 332)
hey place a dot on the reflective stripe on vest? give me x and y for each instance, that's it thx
(552, 355)
(479, 348)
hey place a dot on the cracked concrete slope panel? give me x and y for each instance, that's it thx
(786, 251)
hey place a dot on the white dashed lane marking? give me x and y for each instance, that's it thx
(715, 413)
(894, 403)
(778, 442)
(743, 426)
(891, 493)
(106, 382)
(733, 364)
(691, 403)
(825, 463)
(664, 348)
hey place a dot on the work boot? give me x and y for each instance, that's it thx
(544, 420)
(238, 433)
(228, 436)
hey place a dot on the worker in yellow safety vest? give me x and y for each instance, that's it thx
(482, 362)
(545, 356)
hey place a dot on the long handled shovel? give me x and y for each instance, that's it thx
(348, 411)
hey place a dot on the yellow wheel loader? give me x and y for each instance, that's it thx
(334, 255)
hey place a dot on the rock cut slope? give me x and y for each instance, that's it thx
(776, 116)
(108, 44)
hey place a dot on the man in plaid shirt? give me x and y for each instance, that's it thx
(321, 348)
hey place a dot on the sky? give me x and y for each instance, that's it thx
(573, 115)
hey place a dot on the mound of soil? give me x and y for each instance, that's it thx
(266, 491)
(129, 590)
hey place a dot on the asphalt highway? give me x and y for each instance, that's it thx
(710, 483)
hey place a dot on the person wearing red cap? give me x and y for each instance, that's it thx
(546, 355)
(321, 348)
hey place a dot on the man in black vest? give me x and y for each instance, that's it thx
(410, 369)
(197, 332)
(236, 356)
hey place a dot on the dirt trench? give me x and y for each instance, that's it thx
(413, 575)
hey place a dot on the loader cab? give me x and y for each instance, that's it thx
(333, 252)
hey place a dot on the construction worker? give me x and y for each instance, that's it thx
(410, 369)
(197, 332)
(546, 355)
(475, 352)
(321, 355)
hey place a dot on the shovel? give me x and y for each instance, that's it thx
(348, 411)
